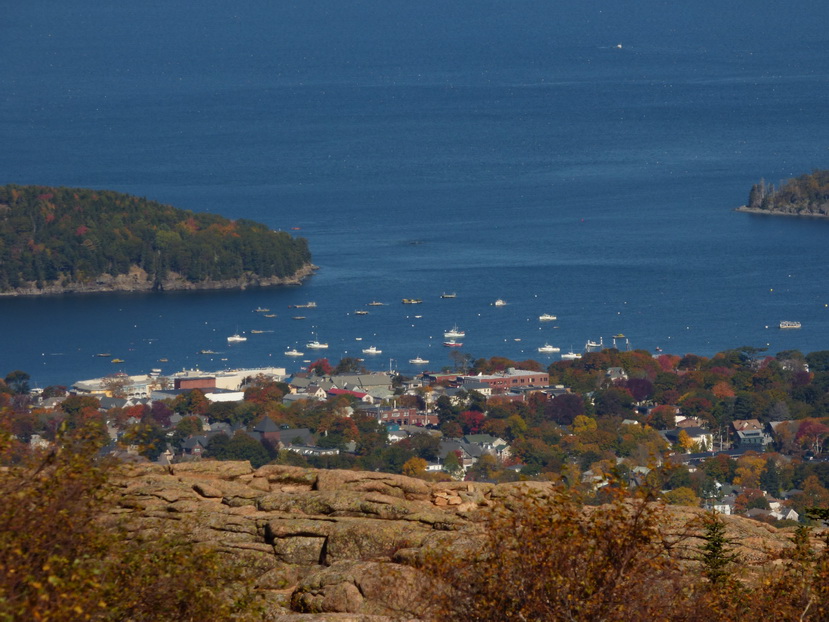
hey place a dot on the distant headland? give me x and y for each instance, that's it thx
(61, 240)
(807, 195)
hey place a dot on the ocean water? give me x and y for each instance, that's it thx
(574, 158)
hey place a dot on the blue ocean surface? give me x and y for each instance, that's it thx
(575, 158)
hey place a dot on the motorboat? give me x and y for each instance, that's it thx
(548, 349)
(619, 336)
(375, 303)
(294, 352)
(594, 344)
(298, 317)
(499, 303)
(445, 295)
(207, 352)
(261, 310)
(570, 356)
(270, 315)
(236, 338)
(546, 317)
(788, 324)
(451, 343)
(316, 345)
(361, 312)
(103, 355)
(412, 301)
(418, 361)
(117, 361)
(372, 350)
(454, 332)
(307, 305)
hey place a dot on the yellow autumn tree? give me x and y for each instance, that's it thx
(415, 467)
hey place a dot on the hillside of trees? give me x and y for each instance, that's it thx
(63, 239)
(807, 195)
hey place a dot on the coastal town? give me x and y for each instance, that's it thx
(741, 433)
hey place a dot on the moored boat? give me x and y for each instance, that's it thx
(236, 338)
(499, 303)
(451, 295)
(294, 352)
(454, 332)
(375, 303)
(372, 350)
(451, 343)
(418, 361)
(570, 356)
(548, 349)
(412, 301)
(789, 324)
(546, 317)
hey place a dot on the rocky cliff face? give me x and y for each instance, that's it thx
(339, 545)
(137, 280)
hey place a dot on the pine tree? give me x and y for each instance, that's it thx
(716, 554)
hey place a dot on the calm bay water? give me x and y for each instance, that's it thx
(495, 150)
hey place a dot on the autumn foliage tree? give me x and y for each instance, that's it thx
(64, 557)
(545, 558)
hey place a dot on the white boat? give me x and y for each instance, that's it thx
(418, 361)
(236, 338)
(548, 349)
(374, 303)
(361, 312)
(316, 345)
(293, 352)
(570, 356)
(454, 332)
(547, 317)
(445, 295)
(261, 310)
(451, 343)
(499, 303)
(788, 324)
(372, 350)
(307, 305)
(588, 347)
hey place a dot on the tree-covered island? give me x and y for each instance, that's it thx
(807, 195)
(55, 240)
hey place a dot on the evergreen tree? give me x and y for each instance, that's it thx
(716, 554)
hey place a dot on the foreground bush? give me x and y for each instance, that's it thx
(64, 557)
(546, 557)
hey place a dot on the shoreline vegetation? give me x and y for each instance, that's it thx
(69, 240)
(807, 195)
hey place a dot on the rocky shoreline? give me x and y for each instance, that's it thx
(137, 280)
(765, 212)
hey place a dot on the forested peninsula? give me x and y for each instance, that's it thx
(56, 240)
(807, 195)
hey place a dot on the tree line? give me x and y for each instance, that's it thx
(67, 236)
(807, 195)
